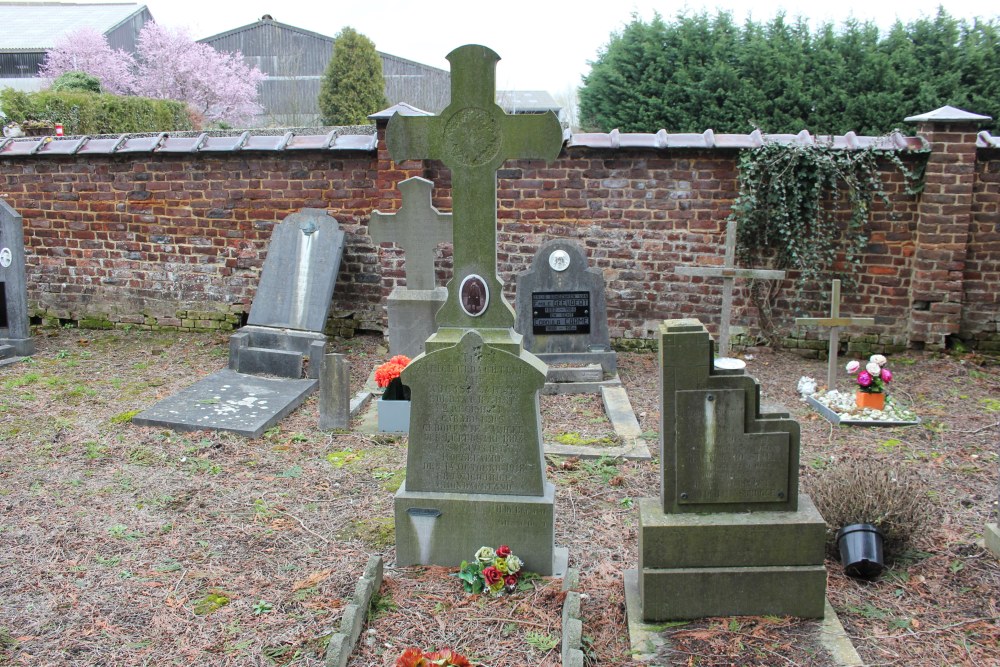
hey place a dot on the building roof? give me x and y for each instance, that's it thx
(526, 101)
(39, 25)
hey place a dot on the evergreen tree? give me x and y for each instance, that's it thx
(353, 86)
(699, 72)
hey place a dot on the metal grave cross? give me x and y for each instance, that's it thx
(835, 321)
(729, 273)
(473, 137)
(417, 228)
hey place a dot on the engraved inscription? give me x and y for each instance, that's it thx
(560, 313)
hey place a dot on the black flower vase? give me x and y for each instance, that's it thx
(860, 547)
(396, 391)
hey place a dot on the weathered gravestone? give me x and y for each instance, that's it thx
(730, 533)
(418, 228)
(474, 466)
(334, 392)
(286, 323)
(15, 332)
(561, 309)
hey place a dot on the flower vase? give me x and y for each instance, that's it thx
(870, 400)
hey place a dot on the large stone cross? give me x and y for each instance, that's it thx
(834, 322)
(729, 273)
(473, 137)
(417, 228)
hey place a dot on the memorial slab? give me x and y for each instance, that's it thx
(15, 330)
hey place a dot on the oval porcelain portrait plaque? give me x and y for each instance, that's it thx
(6, 257)
(474, 295)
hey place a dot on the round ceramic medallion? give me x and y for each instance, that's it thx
(559, 260)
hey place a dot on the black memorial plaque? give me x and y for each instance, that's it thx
(560, 313)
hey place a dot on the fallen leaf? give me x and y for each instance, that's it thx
(312, 580)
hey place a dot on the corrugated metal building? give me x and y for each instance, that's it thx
(29, 30)
(294, 60)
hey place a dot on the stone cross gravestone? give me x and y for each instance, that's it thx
(834, 322)
(560, 306)
(15, 330)
(730, 533)
(418, 228)
(729, 273)
(474, 465)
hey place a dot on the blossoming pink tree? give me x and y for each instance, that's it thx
(218, 86)
(86, 50)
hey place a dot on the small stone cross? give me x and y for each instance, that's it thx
(473, 137)
(835, 321)
(729, 273)
(417, 228)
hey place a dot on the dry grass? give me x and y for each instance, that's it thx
(112, 535)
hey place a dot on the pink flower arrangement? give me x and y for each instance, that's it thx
(875, 376)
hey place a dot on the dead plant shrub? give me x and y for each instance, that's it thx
(891, 498)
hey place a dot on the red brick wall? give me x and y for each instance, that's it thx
(178, 240)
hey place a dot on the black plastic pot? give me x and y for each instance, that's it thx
(861, 550)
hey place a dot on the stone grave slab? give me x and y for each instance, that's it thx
(730, 534)
(15, 330)
(229, 401)
(846, 420)
(561, 309)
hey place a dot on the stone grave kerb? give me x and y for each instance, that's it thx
(473, 137)
(417, 227)
(15, 329)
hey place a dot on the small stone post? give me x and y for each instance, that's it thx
(334, 393)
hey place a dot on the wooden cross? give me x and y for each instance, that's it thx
(835, 321)
(473, 137)
(729, 273)
(417, 228)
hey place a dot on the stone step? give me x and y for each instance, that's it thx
(589, 373)
(265, 361)
(7, 351)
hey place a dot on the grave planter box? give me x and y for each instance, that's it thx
(393, 416)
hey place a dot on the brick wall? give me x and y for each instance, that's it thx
(178, 240)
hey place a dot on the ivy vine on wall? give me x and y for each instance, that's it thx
(792, 200)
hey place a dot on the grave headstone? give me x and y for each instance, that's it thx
(730, 533)
(992, 533)
(418, 228)
(474, 467)
(284, 338)
(15, 331)
(834, 322)
(729, 273)
(561, 310)
(334, 393)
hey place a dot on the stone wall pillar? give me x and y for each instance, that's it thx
(943, 221)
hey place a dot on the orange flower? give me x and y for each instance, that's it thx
(390, 370)
(448, 658)
(412, 657)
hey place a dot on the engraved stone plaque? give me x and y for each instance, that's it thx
(474, 422)
(717, 462)
(560, 313)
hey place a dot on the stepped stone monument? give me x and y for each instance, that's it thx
(730, 533)
(418, 228)
(475, 473)
(268, 357)
(15, 331)
(561, 310)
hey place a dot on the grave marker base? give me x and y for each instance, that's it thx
(992, 538)
(447, 528)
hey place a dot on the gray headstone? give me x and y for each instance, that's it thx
(15, 331)
(475, 472)
(730, 534)
(560, 302)
(474, 421)
(300, 270)
(719, 454)
(334, 393)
